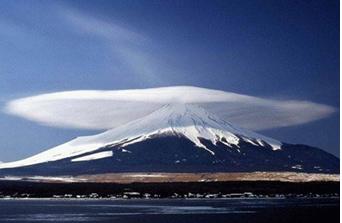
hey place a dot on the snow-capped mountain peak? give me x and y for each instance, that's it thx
(190, 121)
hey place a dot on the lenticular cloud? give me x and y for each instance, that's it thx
(91, 109)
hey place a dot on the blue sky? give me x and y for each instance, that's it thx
(271, 49)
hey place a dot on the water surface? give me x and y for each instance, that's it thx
(175, 210)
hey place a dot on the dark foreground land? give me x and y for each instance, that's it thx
(172, 210)
(167, 189)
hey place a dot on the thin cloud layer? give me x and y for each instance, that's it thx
(127, 45)
(91, 109)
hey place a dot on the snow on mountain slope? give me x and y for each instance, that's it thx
(190, 121)
(94, 156)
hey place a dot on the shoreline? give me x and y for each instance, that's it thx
(168, 177)
(166, 198)
(217, 189)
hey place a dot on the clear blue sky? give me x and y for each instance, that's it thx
(274, 49)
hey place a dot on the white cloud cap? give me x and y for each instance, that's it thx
(91, 109)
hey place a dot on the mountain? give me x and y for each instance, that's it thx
(174, 138)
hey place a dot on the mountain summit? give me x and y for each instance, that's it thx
(174, 138)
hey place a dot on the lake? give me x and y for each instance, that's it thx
(171, 210)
